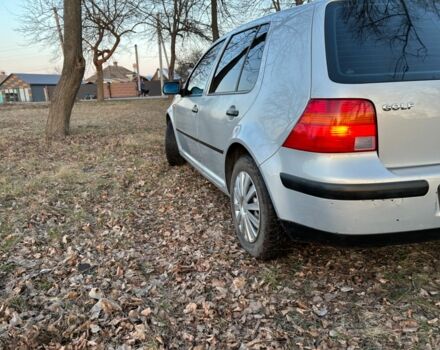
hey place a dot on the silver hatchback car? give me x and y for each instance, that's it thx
(324, 118)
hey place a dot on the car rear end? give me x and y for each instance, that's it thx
(364, 156)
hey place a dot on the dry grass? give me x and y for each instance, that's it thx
(103, 210)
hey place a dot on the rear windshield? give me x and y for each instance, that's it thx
(371, 41)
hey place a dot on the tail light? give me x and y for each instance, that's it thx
(335, 126)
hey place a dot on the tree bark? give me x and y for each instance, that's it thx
(277, 5)
(99, 82)
(58, 122)
(214, 20)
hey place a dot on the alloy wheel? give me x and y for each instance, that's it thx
(246, 207)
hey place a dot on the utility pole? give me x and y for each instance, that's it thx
(166, 55)
(159, 36)
(60, 31)
(137, 70)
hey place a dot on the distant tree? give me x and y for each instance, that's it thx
(214, 20)
(58, 122)
(186, 63)
(175, 19)
(223, 15)
(105, 23)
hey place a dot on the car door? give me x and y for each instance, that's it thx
(186, 110)
(230, 96)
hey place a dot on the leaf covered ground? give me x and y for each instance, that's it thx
(103, 245)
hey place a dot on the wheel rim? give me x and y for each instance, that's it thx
(246, 207)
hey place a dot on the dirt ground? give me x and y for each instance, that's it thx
(103, 245)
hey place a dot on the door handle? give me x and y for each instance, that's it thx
(233, 112)
(195, 109)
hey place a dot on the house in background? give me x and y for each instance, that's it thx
(118, 74)
(3, 76)
(22, 87)
(119, 82)
(115, 73)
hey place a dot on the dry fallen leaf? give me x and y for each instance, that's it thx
(139, 333)
(409, 326)
(239, 282)
(95, 293)
(190, 308)
(146, 312)
(320, 311)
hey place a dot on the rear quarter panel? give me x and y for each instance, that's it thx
(285, 88)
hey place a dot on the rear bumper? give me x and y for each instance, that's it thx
(352, 195)
(376, 191)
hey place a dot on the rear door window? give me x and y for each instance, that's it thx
(240, 64)
(229, 69)
(376, 41)
(253, 60)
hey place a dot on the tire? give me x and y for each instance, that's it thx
(171, 149)
(271, 241)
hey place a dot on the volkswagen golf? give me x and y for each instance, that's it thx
(323, 118)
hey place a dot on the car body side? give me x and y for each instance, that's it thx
(279, 91)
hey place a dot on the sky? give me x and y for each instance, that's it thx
(18, 56)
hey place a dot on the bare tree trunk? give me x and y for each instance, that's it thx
(277, 5)
(58, 122)
(299, 2)
(214, 20)
(100, 82)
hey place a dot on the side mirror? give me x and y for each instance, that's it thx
(171, 88)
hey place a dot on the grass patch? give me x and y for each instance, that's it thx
(19, 303)
(7, 268)
(8, 243)
(271, 276)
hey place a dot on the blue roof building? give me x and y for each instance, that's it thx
(22, 87)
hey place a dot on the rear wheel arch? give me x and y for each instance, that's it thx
(235, 151)
(172, 152)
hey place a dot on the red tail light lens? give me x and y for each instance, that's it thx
(335, 126)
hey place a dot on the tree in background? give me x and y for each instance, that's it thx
(227, 14)
(58, 122)
(224, 15)
(187, 62)
(174, 19)
(214, 20)
(105, 23)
